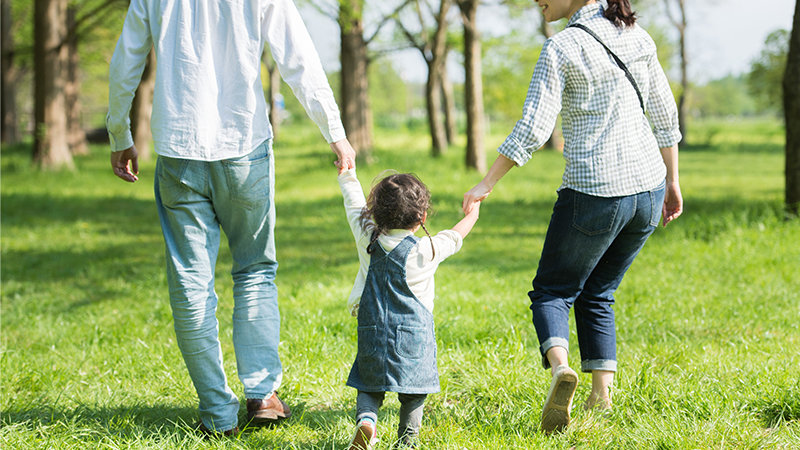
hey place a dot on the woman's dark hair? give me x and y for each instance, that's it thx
(620, 12)
(398, 201)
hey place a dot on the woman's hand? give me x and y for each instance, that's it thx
(673, 203)
(482, 190)
(475, 195)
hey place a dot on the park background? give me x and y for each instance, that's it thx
(707, 317)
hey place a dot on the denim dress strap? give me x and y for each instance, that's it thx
(396, 339)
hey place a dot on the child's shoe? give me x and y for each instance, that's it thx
(365, 436)
(555, 413)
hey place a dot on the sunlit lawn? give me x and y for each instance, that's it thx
(707, 317)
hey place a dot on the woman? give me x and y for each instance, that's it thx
(621, 175)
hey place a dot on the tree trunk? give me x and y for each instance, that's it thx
(449, 104)
(356, 112)
(9, 132)
(142, 109)
(275, 109)
(473, 86)
(76, 135)
(433, 102)
(791, 107)
(273, 92)
(50, 149)
(437, 48)
(680, 25)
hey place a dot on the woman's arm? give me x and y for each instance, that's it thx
(482, 190)
(673, 200)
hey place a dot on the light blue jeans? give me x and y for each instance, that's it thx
(195, 199)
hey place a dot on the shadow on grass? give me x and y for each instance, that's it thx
(129, 216)
(704, 219)
(156, 423)
(779, 409)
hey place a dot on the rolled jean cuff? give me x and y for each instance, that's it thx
(550, 343)
(589, 365)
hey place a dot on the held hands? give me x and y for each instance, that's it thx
(120, 164)
(673, 203)
(345, 155)
(474, 196)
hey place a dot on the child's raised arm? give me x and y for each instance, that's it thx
(464, 226)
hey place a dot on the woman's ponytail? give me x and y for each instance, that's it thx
(620, 12)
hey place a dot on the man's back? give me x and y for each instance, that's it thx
(209, 102)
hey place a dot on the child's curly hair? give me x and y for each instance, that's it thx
(398, 201)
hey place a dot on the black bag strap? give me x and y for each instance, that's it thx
(616, 58)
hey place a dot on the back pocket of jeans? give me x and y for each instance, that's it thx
(594, 215)
(248, 181)
(171, 186)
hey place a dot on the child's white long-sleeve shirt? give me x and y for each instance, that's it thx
(420, 265)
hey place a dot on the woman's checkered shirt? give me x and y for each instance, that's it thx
(611, 148)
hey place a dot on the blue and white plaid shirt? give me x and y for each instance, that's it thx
(610, 147)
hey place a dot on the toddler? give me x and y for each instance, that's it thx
(393, 299)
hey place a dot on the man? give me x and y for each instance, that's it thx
(216, 169)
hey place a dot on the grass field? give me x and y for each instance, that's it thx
(707, 317)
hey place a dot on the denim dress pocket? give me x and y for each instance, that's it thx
(594, 215)
(409, 344)
(248, 180)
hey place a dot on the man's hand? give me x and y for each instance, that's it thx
(119, 163)
(345, 155)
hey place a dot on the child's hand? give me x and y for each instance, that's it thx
(464, 226)
(474, 210)
(475, 196)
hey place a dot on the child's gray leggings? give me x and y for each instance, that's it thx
(411, 405)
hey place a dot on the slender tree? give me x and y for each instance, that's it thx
(679, 22)
(473, 85)
(9, 132)
(791, 107)
(273, 91)
(354, 98)
(449, 102)
(76, 135)
(431, 41)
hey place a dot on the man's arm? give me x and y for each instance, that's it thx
(298, 62)
(125, 74)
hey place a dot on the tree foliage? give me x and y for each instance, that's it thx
(766, 72)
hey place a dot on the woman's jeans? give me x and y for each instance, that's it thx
(195, 199)
(590, 243)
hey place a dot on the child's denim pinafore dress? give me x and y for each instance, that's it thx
(396, 340)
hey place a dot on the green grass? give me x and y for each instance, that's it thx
(707, 316)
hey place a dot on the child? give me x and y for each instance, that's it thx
(393, 299)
